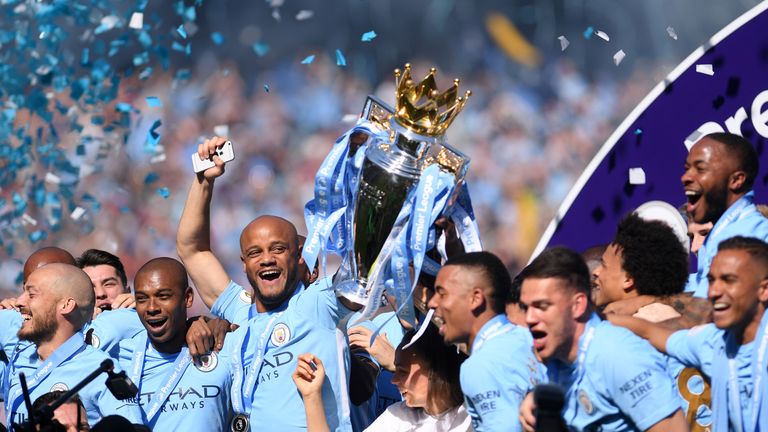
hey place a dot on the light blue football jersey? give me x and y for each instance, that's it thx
(306, 323)
(618, 383)
(200, 399)
(501, 369)
(698, 347)
(111, 327)
(97, 399)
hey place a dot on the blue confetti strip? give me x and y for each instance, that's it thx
(266, 88)
(151, 178)
(217, 38)
(123, 107)
(638, 131)
(368, 36)
(308, 59)
(153, 137)
(183, 33)
(588, 32)
(38, 235)
(261, 49)
(154, 102)
(164, 192)
(340, 60)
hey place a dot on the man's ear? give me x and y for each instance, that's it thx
(189, 297)
(477, 302)
(579, 304)
(762, 290)
(67, 305)
(628, 284)
(736, 181)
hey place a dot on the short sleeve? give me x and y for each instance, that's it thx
(321, 302)
(493, 403)
(695, 347)
(10, 322)
(111, 327)
(233, 304)
(639, 384)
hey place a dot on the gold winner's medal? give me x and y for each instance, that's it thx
(240, 423)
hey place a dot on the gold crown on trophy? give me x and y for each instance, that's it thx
(421, 107)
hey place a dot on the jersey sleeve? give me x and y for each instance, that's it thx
(320, 300)
(695, 347)
(111, 327)
(638, 382)
(492, 402)
(10, 322)
(233, 304)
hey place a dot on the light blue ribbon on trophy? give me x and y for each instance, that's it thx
(463, 217)
(379, 271)
(325, 214)
(177, 371)
(432, 192)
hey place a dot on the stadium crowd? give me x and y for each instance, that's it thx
(635, 343)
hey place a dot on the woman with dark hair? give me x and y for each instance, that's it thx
(427, 375)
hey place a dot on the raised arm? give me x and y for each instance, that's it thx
(656, 334)
(193, 239)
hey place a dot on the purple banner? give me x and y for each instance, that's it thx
(722, 86)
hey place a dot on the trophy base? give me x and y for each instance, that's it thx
(354, 290)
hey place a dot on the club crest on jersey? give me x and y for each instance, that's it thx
(245, 297)
(207, 362)
(281, 334)
(585, 402)
(95, 341)
(59, 387)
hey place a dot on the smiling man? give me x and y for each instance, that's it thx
(613, 380)
(470, 298)
(719, 174)
(174, 392)
(731, 351)
(57, 301)
(284, 321)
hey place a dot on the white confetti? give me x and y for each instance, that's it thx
(221, 130)
(671, 32)
(28, 220)
(276, 14)
(157, 159)
(276, 3)
(52, 178)
(77, 213)
(350, 118)
(602, 35)
(304, 15)
(636, 176)
(705, 69)
(137, 21)
(563, 42)
(618, 57)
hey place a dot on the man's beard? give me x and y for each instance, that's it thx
(276, 299)
(41, 328)
(717, 204)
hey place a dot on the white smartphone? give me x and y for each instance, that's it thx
(225, 152)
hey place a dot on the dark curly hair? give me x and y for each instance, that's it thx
(652, 256)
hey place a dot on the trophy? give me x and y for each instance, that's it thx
(385, 186)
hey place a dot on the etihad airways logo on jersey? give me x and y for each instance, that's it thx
(182, 398)
(274, 366)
